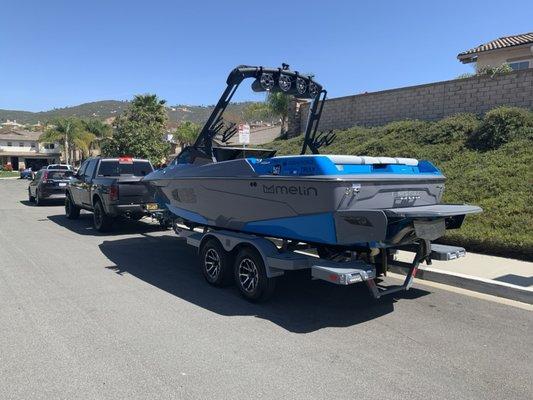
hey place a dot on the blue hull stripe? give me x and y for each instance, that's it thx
(312, 228)
(188, 215)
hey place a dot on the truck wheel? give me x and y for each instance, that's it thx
(72, 211)
(215, 263)
(30, 197)
(251, 278)
(101, 221)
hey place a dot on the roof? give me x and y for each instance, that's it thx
(15, 134)
(500, 43)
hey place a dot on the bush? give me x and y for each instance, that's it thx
(7, 167)
(453, 128)
(491, 70)
(500, 126)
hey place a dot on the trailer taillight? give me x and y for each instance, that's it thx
(113, 193)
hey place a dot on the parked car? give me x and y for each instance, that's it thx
(110, 188)
(26, 173)
(60, 166)
(48, 184)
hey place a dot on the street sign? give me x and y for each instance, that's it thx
(244, 134)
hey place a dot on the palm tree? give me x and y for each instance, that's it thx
(99, 130)
(83, 140)
(64, 131)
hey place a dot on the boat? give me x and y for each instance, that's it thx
(329, 201)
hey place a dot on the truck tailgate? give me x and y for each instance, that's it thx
(132, 191)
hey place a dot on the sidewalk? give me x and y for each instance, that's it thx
(498, 276)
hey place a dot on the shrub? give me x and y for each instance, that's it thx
(500, 126)
(450, 129)
(491, 70)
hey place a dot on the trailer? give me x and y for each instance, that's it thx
(254, 262)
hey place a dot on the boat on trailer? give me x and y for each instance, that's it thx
(359, 207)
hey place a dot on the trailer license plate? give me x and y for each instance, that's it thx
(430, 230)
(151, 206)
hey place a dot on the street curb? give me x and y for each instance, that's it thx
(9, 177)
(476, 284)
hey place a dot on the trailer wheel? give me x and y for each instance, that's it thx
(251, 278)
(215, 263)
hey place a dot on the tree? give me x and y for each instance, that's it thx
(257, 112)
(99, 130)
(186, 133)
(64, 131)
(139, 131)
(278, 104)
(83, 141)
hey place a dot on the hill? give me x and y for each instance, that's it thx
(487, 162)
(111, 108)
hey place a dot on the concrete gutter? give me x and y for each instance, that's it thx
(474, 283)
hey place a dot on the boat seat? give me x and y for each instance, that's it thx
(366, 160)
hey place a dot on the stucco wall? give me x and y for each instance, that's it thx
(426, 102)
(500, 56)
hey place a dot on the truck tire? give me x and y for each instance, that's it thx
(72, 211)
(251, 278)
(30, 197)
(215, 263)
(101, 221)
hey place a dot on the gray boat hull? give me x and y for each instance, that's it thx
(332, 210)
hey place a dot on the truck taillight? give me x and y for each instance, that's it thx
(113, 193)
(45, 176)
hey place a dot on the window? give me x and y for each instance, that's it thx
(49, 146)
(9, 144)
(114, 168)
(519, 65)
(21, 144)
(89, 171)
(33, 144)
(81, 171)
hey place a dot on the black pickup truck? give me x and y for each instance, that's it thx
(109, 187)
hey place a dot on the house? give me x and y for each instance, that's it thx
(11, 124)
(515, 50)
(21, 149)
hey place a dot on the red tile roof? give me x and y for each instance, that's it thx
(500, 43)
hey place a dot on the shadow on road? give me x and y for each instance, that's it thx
(47, 202)
(299, 304)
(84, 225)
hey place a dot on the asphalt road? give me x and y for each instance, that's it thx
(128, 315)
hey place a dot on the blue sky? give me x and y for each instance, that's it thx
(62, 53)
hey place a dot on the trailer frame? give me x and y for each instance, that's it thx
(278, 259)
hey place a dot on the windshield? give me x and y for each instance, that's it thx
(57, 166)
(114, 168)
(58, 175)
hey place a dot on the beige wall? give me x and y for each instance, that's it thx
(498, 57)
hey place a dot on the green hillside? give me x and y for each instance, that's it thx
(487, 162)
(111, 108)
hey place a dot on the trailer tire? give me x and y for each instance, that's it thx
(215, 263)
(251, 278)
